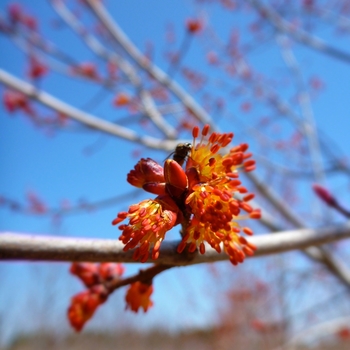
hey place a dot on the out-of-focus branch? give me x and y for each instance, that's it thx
(310, 128)
(81, 116)
(124, 42)
(83, 206)
(319, 254)
(94, 44)
(30, 247)
(298, 34)
(282, 207)
(283, 108)
(317, 331)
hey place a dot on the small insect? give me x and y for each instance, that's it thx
(181, 152)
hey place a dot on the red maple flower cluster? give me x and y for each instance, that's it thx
(17, 15)
(138, 295)
(87, 70)
(194, 25)
(101, 280)
(206, 197)
(14, 101)
(96, 277)
(36, 69)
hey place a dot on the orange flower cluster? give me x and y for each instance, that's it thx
(14, 100)
(148, 223)
(194, 25)
(36, 68)
(122, 99)
(138, 296)
(87, 70)
(17, 15)
(84, 304)
(203, 197)
(96, 278)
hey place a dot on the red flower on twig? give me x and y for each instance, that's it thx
(138, 296)
(200, 197)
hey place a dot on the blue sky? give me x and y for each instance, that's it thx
(58, 166)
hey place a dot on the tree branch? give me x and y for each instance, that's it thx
(149, 106)
(121, 39)
(299, 35)
(15, 246)
(81, 116)
(320, 254)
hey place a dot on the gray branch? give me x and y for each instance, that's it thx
(149, 106)
(81, 116)
(299, 35)
(131, 50)
(15, 246)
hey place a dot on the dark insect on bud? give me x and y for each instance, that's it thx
(181, 152)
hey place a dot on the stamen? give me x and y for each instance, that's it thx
(242, 189)
(248, 251)
(192, 247)
(233, 175)
(214, 148)
(244, 147)
(116, 221)
(155, 255)
(195, 132)
(247, 155)
(251, 168)
(227, 162)
(234, 183)
(213, 137)
(196, 235)
(248, 197)
(245, 206)
(255, 214)
(249, 163)
(181, 246)
(248, 231)
(133, 208)
(205, 129)
(144, 257)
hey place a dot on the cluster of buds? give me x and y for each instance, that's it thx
(121, 99)
(36, 69)
(327, 197)
(87, 70)
(202, 197)
(15, 101)
(17, 16)
(98, 279)
(194, 25)
(138, 296)
(199, 189)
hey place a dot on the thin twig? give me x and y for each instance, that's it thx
(81, 116)
(300, 35)
(320, 254)
(144, 276)
(310, 129)
(119, 36)
(94, 44)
